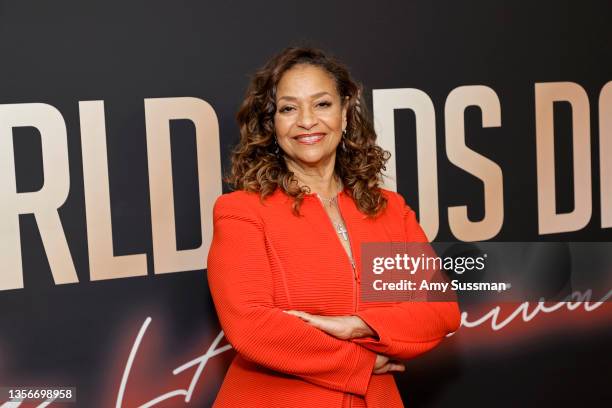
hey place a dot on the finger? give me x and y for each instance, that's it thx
(297, 313)
(323, 323)
(318, 322)
(302, 315)
(382, 370)
(397, 367)
(291, 312)
(390, 367)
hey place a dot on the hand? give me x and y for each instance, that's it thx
(341, 327)
(384, 365)
(346, 328)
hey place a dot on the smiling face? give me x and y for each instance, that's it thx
(309, 116)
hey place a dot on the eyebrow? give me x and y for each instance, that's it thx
(313, 96)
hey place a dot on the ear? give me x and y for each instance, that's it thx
(345, 112)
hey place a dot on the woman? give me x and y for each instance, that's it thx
(284, 264)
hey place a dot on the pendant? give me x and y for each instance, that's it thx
(342, 231)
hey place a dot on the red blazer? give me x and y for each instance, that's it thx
(263, 260)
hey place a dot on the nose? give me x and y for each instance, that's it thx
(306, 119)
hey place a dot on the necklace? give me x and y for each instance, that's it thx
(341, 230)
(330, 202)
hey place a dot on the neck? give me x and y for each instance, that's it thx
(320, 179)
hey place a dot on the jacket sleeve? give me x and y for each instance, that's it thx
(240, 281)
(406, 329)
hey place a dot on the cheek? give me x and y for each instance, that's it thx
(334, 119)
(281, 126)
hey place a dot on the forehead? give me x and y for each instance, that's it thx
(304, 80)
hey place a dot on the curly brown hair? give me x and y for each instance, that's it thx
(258, 167)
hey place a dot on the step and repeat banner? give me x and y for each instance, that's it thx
(116, 123)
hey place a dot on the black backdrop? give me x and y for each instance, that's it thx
(122, 52)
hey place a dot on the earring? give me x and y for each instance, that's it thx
(276, 149)
(343, 146)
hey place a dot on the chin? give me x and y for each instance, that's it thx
(310, 157)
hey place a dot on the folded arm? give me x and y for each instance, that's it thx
(240, 282)
(406, 329)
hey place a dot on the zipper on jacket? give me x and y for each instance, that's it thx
(352, 262)
(350, 259)
(355, 289)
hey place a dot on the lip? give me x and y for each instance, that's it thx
(309, 138)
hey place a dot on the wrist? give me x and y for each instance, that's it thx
(360, 328)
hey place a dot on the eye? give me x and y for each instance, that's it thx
(286, 108)
(324, 104)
